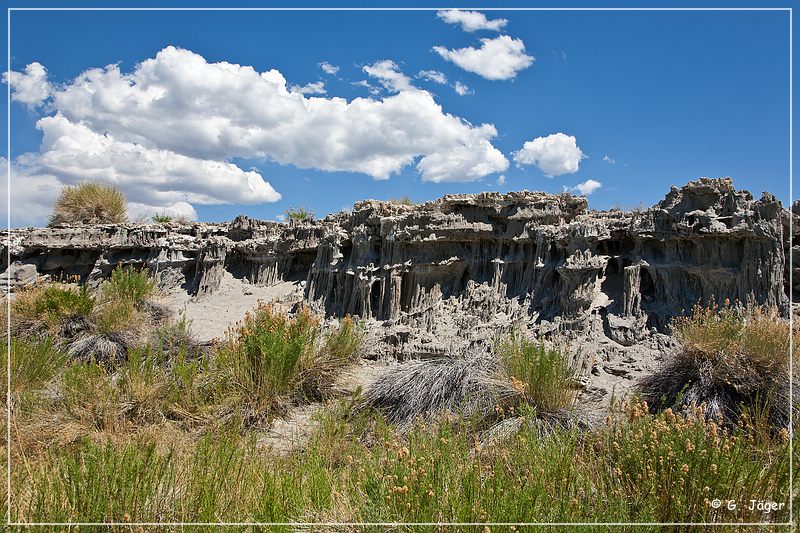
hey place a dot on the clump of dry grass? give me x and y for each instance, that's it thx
(474, 385)
(89, 203)
(732, 361)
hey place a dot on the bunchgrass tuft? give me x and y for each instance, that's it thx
(471, 386)
(89, 203)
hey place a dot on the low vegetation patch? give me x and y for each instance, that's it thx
(89, 203)
(172, 434)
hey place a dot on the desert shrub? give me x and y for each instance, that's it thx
(403, 200)
(34, 363)
(262, 358)
(105, 348)
(299, 214)
(162, 219)
(129, 284)
(541, 374)
(174, 340)
(53, 302)
(339, 349)
(730, 361)
(473, 386)
(89, 203)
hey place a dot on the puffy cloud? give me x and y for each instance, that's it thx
(501, 179)
(317, 87)
(30, 87)
(389, 75)
(500, 58)
(587, 187)
(373, 90)
(327, 68)
(433, 75)
(555, 154)
(32, 196)
(137, 211)
(461, 89)
(153, 176)
(167, 131)
(470, 20)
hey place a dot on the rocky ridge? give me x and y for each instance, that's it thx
(465, 269)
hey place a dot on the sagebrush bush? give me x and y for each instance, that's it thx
(542, 374)
(730, 360)
(89, 203)
(129, 284)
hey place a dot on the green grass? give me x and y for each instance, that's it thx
(542, 374)
(640, 468)
(162, 219)
(53, 302)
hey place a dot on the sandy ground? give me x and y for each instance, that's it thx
(211, 315)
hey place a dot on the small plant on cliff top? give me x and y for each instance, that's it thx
(89, 203)
(299, 214)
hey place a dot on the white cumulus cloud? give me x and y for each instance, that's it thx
(389, 75)
(500, 58)
(167, 132)
(471, 20)
(433, 75)
(587, 187)
(30, 87)
(555, 154)
(501, 179)
(317, 87)
(461, 89)
(32, 196)
(137, 211)
(327, 68)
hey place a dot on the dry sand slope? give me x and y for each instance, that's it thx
(211, 315)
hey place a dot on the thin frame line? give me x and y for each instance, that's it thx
(400, 8)
(568, 9)
(8, 285)
(791, 268)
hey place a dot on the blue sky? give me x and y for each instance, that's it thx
(652, 99)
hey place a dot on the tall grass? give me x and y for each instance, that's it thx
(52, 303)
(89, 203)
(271, 359)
